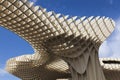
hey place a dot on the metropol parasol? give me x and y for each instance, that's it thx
(65, 47)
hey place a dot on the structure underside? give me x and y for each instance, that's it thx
(54, 37)
(58, 69)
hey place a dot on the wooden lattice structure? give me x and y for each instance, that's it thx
(64, 46)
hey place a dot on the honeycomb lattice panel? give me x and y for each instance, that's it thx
(51, 35)
(35, 24)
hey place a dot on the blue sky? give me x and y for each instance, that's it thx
(11, 45)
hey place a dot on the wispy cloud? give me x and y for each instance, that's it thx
(111, 47)
(105, 50)
(111, 2)
(2, 72)
(33, 1)
(115, 41)
(6, 76)
(118, 24)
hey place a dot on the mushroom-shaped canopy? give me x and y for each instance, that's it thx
(51, 35)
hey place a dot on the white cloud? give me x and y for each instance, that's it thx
(4, 75)
(111, 48)
(2, 72)
(105, 50)
(118, 24)
(115, 42)
(33, 1)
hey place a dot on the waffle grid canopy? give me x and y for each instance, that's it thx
(64, 46)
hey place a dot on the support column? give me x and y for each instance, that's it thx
(86, 66)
